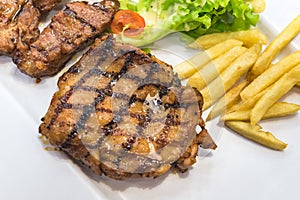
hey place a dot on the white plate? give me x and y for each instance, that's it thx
(238, 169)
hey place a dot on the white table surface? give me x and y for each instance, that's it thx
(24, 173)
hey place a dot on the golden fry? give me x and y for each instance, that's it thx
(281, 87)
(275, 47)
(213, 69)
(192, 65)
(230, 76)
(279, 109)
(249, 103)
(254, 133)
(248, 37)
(271, 75)
(229, 99)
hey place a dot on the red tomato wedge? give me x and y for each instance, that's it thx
(133, 22)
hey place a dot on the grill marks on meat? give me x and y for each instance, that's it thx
(124, 114)
(70, 30)
(18, 25)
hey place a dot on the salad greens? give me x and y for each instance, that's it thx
(191, 17)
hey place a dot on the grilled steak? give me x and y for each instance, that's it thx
(45, 5)
(123, 113)
(18, 24)
(70, 30)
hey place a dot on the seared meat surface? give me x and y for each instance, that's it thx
(123, 113)
(45, 5)
(70, 30)
(19, 21)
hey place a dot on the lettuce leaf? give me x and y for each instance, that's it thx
(191, 17)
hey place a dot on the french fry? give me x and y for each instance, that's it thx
(230, 76)
(298, 84)
(249, 103)
(192, 65)
(229, 99)
(275, 47)
(258, 5)
(271, 75)
(248, 37)
(256, 134)
(281, 87)
(211, 70)
(246, 104)
(279, 109)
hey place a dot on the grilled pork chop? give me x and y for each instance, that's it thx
(18, 24)
(123, 113)
(70, 30)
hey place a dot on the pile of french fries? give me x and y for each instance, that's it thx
(243, 83)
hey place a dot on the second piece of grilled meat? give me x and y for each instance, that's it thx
(19, 21)
(70, 30)
(124, 114)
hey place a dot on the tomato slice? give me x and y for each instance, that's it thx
(133, 23)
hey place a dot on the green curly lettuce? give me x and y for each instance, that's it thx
(191, 17)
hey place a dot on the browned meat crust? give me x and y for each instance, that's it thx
(18, 25)
(45, 5)
(70, 30)
(124, 114)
